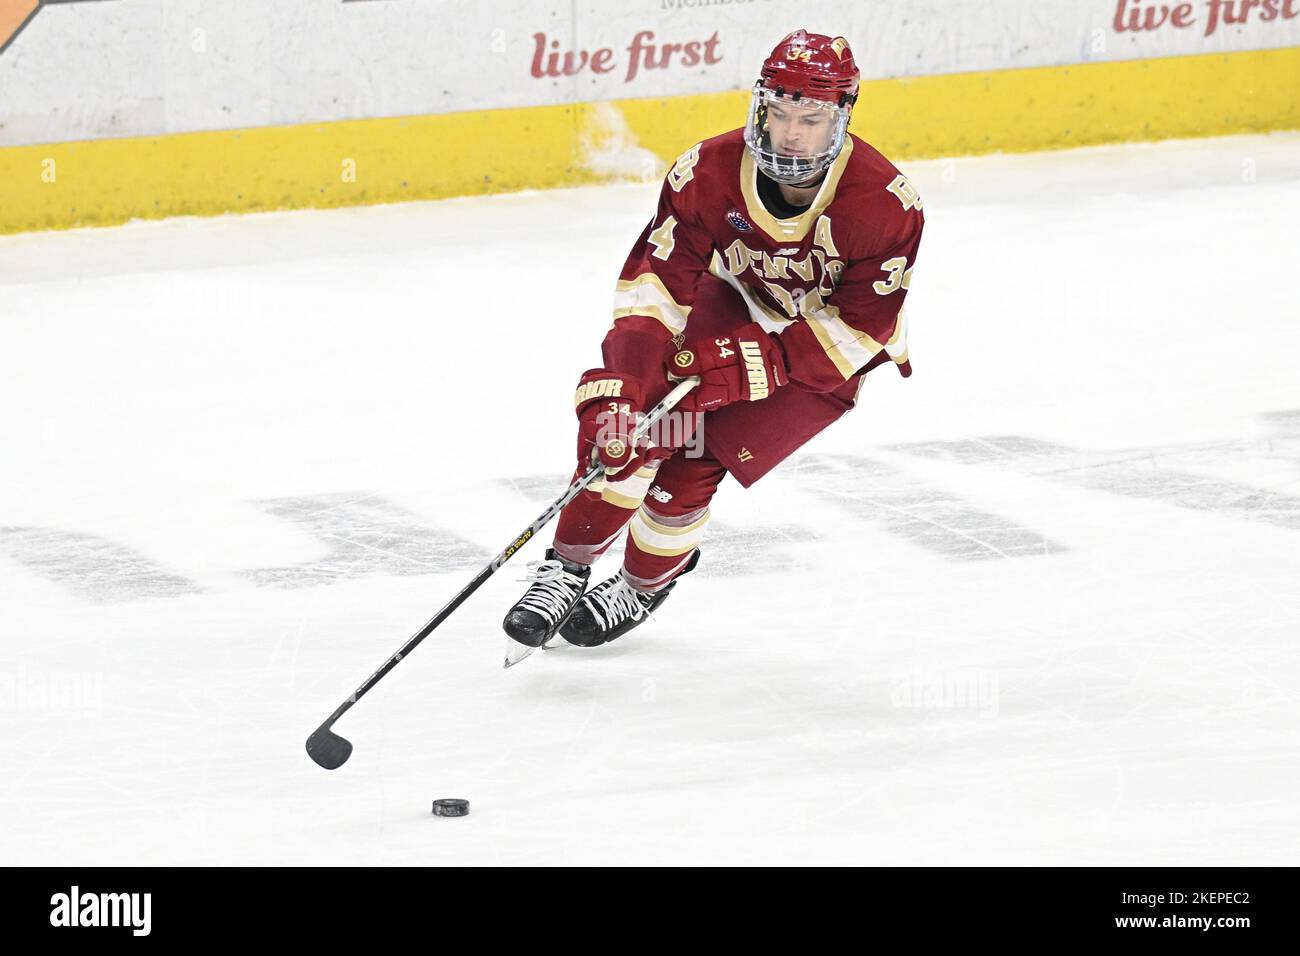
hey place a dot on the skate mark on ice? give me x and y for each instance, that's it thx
(989, 448)
(366, 535)
(731, 551)
(1156, 473)
(98, 569)
(540, 488)
(728, 549)
(926, 516)
(1283, 440)
(1284, 422)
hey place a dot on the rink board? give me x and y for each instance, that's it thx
(361, 162)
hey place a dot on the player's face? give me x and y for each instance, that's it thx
(798, 130)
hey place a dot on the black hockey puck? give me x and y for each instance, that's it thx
(451, 807)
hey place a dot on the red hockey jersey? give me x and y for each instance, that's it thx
(830, 282)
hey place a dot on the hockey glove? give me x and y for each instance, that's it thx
(743, 367)
(609, 405)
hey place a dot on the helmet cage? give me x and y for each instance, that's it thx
(791, 170)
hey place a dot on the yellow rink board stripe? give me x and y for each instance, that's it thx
(102, 182)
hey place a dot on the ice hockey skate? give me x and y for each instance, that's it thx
(557, 585)
(614, 607)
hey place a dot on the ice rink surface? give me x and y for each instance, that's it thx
(1039, 603)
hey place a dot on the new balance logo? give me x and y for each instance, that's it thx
(658, 494)
(102, 909)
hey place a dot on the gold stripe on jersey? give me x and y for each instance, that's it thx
(654, 537)
(667, 320)
(768, 318)
(845, 346)
(790, 230)
(897, 344)
(647, 295)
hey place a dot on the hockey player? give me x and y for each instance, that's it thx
(775, 268)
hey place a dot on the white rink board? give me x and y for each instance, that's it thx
(850, 677)
(109, 68)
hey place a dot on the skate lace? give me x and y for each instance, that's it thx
(612, 606)
(553, 589)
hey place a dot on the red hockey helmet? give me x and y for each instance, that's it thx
(812, 65)
(800, 109)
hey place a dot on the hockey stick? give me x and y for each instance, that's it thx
(329, 749)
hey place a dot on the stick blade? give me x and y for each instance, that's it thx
(327, 748)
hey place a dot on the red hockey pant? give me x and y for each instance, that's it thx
(665, 510)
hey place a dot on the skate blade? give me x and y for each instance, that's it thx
(515, 652)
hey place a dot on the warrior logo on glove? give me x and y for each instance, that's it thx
(606, 426)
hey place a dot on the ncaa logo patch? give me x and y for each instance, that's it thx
(739, 222)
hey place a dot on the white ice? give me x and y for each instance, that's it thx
(1038, 604)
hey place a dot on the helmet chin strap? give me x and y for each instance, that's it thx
(809, 183)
